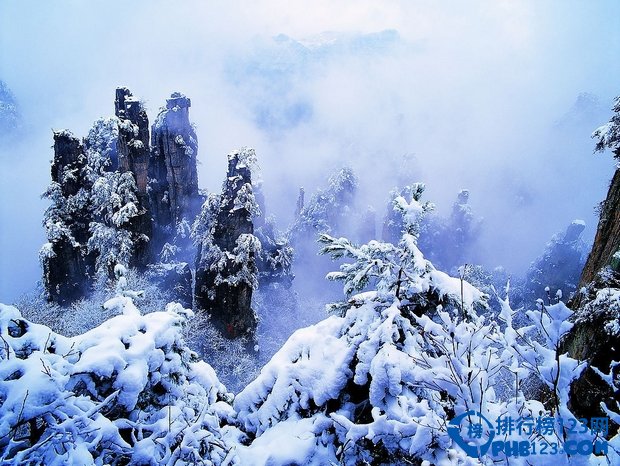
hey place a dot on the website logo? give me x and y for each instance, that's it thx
(520, 437)
(473, 432)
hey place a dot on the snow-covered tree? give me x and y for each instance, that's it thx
(394, 224)
(102, 147)
(276, 255)
(114, 206)
(400, 360)
(10, 119)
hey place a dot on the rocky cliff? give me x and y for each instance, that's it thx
(67, 265)
(607, 240)
(129, 196)
(173, 177)
(116, 199)
(133, 156)
(226, 272)
(596, 334)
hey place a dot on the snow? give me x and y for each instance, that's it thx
(46, 251)
(374, 385)
(292, 442)
(378, 382)
(302, 360)
(133, 372)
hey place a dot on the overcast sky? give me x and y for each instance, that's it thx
(472, 94)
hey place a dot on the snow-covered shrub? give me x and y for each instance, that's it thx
(88, 313)
(128, 391)
(235, 361)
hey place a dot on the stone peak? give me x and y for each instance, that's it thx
(178, 99)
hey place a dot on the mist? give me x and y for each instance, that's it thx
(483, 95)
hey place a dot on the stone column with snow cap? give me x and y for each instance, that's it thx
(133, 143)
(226, 272)
(173, 176)
(133, 156)
(66, 265)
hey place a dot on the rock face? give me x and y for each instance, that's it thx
(607, 240)
(299, 206)
(557, 269)
(133, 156)
(595, 338)
(448, 242)
(173, 177)
(66, 264)
(124, 197)
(226, 271)
(133, 140)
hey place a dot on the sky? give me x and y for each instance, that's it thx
(481, 95)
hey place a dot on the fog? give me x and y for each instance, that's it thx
(481, 95)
